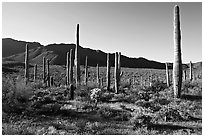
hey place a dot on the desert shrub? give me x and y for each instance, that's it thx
(156, 86)
(195, 85)
(16, 94)
(10, 129)
(110, 113)
(141, 118)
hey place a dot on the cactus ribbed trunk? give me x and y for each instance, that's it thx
(177, 65)
(97, 75)
(44, 69)
(167, 75)
(67, 70)
(86, 71)
(77, 58)
(71, 67)
(116, 73)
(108, 72)
(35, 72)
(190, 71)
(27, 64)
(48, 73)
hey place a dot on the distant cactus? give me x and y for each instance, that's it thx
(190, 71)
(27, 64)
(184, 75)
(35, 72)
(167, 75)
(108, 72)
(119, 67)
(67, 69)
(71, 67)
(116, 74)
(86, 71)
(44, 69)
(177, 66)
(72, 88)
(77, 58)
(48, 73)
(97, 75)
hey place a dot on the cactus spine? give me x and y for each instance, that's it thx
(108, 72)
(86, 71)
(35, 72)
(44, 69)
(77, 58)
(67, 69)
(97, 75)
(116, 73)
(167, 75)
(27, 64)
(177, 66)
(190, 71)
(48, 73)
(71, 67)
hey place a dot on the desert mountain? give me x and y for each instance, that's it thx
(13, 51)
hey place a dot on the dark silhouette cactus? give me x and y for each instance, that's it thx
(71, 67)
(108, 72)
(184, 75)
(27, 64)
(77, 58)
(177, 65)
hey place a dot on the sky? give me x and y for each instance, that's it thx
(135, 29)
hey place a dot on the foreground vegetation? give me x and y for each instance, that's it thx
(36, 109)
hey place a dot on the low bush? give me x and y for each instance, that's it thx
(118, 115)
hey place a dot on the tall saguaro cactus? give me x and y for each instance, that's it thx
(167, 75)
(190, 71)
(177, 65)
(71, 67)
(35, 72)
(48, 73)
(67, 69)
(116, 73)
(108, 72)
(44, 69)
(97, 75)
(86, 71)
(77, 58)
(27, 64)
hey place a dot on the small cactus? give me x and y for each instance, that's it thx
(184, 75)
(27, 64)
(108, 72)
(177, 65)
(51, 81)
(119, 67)
(44, 69)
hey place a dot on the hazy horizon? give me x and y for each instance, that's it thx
(135, 29)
